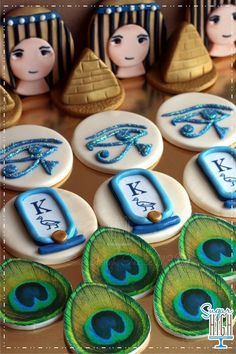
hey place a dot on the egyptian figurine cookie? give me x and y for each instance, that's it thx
(185, 65)
(10, 108)
(122, 260)
(116, 140)
(101, 319)
(34, 295)
(33, 156)
(216, 25)
(149, 204)
(91, 87)
(47, 225)
(183, 294)
(127, 35)
(38, 51)
(211, 242)
(210, 179)
(197, 121)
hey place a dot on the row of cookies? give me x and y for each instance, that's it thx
(115, 266)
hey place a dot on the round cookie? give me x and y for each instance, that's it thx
(116, 140)
(209, 180)
(197, 121)
(33, 156)
(120, 206)
(21, 242)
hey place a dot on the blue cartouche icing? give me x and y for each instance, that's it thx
(208, 115)
(127, 135)
(37, 151)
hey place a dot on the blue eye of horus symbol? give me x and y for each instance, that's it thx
(208, 115)
(32, 150)
(127, 135)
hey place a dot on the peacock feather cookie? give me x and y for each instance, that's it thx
(91, 88)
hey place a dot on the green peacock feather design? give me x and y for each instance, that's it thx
(32, 295)
(122, 260)
(100, 319)
(211, 242)
(182, 288)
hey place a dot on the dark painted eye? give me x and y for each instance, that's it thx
(116, 40)
(45, 52)
(17, 54)
(215, 19)
(234, 16)
(142, 39)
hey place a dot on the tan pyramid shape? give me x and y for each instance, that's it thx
(7, 104)
(91, 81)
(187, 57)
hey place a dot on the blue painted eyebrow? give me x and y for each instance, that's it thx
(18, 50)
(211, 18)
(117, 36)
(44, 47)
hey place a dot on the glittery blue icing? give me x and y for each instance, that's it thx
(127, 135)
(208, 115)
(32, 150)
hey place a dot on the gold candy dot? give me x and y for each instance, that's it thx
(59, 236)
(154, 216)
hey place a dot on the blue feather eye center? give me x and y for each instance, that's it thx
(32, 296)
(123, 269)
(108, 327)
(217, 252)
(188, 302)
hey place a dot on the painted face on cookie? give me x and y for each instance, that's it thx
(129, 46)
(32, 59)
(221, 25)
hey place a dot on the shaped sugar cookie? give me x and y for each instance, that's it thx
(211, 242)
(149, 204)
(185, 294)
(186, 65)
(127, 35)
(10, 108)
(34, 295)
(122, 260)
(100, 319)
(210, 179)
(33, 156)
(47, 225)
(116, 140)
(38, 52)
(197, 121)
(91, 88)
(216, 25)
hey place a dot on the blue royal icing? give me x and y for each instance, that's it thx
(219, 166)
(127, 135)
(34, 149)
(208, 115)
(43, 211)
(134, 196)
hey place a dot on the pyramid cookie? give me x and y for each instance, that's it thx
(10, 108)
(91, 88)
(186, 66)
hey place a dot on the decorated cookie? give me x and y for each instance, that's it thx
(216, 25)
(211, 242)
(47, 225)
(127, 35)
(116, 140)
(152, 205)
(186, 65)
(90, 88)
(33, 156)
(124, 261)
(10, 108)
(100, 319)
(210, 179)
(39, 49)
(34, 295)
(185, 291)
(197, 121)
